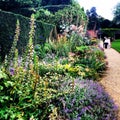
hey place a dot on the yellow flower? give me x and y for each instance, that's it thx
(67, 66)
(59, 66)
(87, 69)
(82, 74)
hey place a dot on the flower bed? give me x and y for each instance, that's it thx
(54, 86)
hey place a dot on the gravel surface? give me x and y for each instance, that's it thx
(111, 80)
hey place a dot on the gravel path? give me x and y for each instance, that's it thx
(111, 81)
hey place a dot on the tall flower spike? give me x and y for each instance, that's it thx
(13, 48)
(28, 58)
(32, 28)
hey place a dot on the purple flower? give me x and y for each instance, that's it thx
(66, 110)
(89, 101)
(12, 71)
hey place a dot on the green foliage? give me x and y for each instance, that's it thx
(24, 93)
(39, 87)
(61, 47)
(39, 51)
(110, 32)
(87, 102)
(71, 102)
(43, 49)
(72, 14)
(54, 6)
(57, 2)
(75, 41)
(7, 29)
(82, 49)
(85, 62)
(44, 15)
(10, 5)
(92, 60)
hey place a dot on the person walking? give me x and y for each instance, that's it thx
(106, 42)
(109, 42)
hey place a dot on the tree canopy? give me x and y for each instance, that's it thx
(116, 13)
(55, 2)
(93, 23)
(16, 4)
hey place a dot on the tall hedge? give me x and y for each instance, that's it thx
(7, 29)
(111, 32)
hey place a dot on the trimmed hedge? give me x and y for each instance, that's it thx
(7, 30)
(111, 32)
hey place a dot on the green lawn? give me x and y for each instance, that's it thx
(116, 45)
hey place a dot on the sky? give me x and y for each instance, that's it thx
(104, 8)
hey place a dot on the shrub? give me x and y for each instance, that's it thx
(91, 58)
(33, 88)
(24, 94)
(75, 41)
(89, 101)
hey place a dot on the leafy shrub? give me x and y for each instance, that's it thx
(87, 62)
(61, 47)
(81, 50)
(89, 101)
(66, 15)
(42, 50)
(44, 15)
(75, 41)
(91, 58)
(24, 93)
(33, 88)
(49, 68)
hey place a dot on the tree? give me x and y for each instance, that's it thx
(70, 15)
(55, 2)
(17, 4)
(23, 7)
(116, 13)
(93, 23)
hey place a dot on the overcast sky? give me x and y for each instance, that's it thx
(103, 7)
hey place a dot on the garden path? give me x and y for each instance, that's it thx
(111, 80)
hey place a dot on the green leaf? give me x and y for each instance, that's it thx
(1, 87)
(8, 83)
(2, 75)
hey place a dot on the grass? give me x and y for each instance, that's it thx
(116, 45)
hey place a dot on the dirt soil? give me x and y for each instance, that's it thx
(111, 80)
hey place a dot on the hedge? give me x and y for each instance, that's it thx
(7, 29)
(111, 32)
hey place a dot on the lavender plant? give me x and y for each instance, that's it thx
(88, 101)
